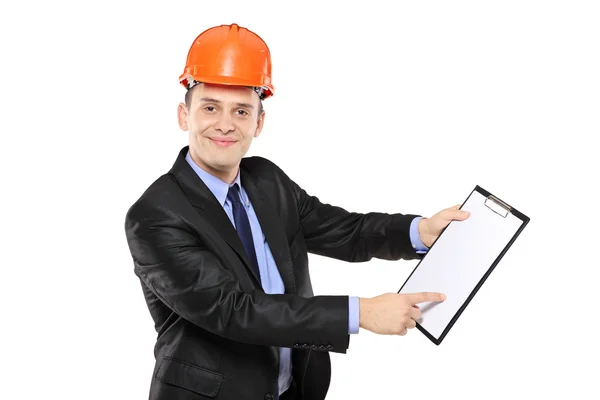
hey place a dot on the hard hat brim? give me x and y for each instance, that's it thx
(186, 78)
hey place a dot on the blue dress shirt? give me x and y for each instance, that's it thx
(269, 274)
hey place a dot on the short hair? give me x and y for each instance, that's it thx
(188, 100)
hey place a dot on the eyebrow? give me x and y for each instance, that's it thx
(211, 100)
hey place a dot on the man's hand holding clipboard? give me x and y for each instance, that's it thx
(431, 228)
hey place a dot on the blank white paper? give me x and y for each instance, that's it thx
(458, 260)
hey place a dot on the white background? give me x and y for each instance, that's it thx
(378, 107)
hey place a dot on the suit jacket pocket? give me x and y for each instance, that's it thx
(190, 377)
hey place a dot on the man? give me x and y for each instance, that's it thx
(220, 246)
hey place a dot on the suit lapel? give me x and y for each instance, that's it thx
(209, 208)
(272, 228)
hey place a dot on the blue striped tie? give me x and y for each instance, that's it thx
(242, 224)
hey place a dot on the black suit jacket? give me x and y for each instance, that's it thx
(218, 331)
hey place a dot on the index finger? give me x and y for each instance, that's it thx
(422, 297)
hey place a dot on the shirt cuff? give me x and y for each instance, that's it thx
(353, 315)
(415, 239)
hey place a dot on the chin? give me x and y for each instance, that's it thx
(223, 164)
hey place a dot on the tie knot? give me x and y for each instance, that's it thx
(234, 193)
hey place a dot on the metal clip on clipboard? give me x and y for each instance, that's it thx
(497, 206)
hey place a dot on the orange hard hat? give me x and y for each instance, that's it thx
(229, 55)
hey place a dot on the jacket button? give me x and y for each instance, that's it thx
(269, 396)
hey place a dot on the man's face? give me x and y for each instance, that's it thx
(221, 121)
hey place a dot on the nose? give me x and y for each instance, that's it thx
(225, 124)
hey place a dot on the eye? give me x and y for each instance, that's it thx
(209, 109)
(243, 113)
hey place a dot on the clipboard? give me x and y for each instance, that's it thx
(461, 259)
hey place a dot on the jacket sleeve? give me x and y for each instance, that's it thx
(191, 281)
(332, 231)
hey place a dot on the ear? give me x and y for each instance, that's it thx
(259, 125)
(182, 116)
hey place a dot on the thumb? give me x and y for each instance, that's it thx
(458, 213)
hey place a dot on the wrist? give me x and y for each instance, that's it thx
(421, 227)
(363, 307)
(422, 230)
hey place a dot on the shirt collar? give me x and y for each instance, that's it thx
(218, 187)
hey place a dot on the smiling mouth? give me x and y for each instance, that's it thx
(222, 143)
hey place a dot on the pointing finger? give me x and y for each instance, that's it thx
(422, 297)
